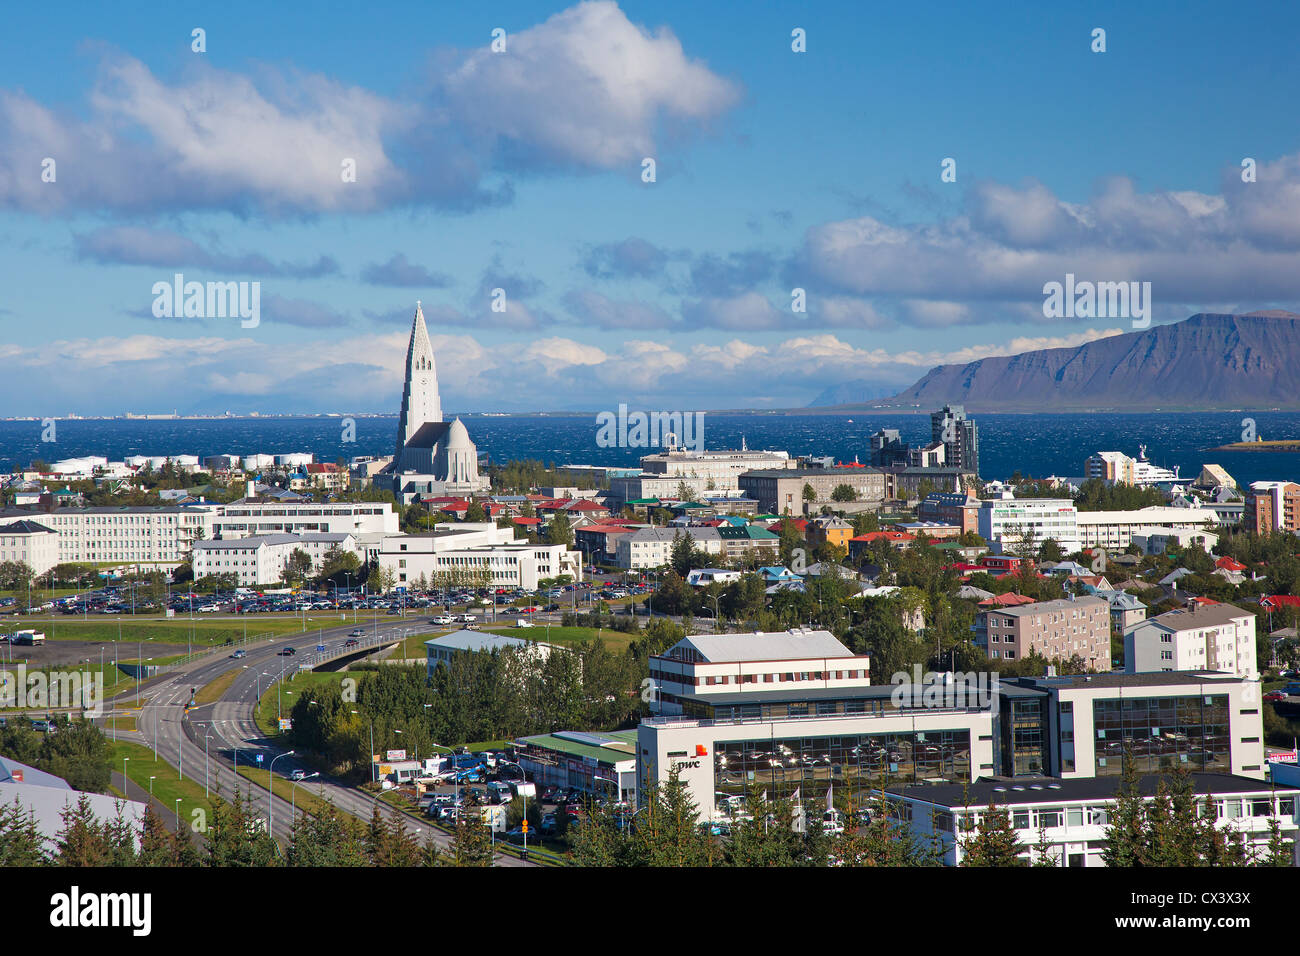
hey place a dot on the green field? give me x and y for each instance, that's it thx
(299, 795)
(567, 636)
(166, 787)
(203, 633)
(111, 681)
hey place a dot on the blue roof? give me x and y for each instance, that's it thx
(31, 776)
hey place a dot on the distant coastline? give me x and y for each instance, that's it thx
(1281, 444)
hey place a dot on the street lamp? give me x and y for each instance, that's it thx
(270, 793)
(178, 814)
(523, 795)
(125, 779)
(151, 780)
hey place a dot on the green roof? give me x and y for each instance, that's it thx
(622, 745)
(643, 501)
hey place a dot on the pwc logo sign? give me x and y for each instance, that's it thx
(688, 763)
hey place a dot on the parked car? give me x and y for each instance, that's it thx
(1274, 696)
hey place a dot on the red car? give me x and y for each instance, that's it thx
(1274, 696)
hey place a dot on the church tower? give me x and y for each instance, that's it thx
(420, 402)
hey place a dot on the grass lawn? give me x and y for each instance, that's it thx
(203, 633)
(109, 682)
(166, 787)
(567, 636)
(300, 794)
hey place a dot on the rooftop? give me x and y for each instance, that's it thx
(1003, 791)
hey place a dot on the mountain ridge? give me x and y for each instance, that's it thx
(1210, 361)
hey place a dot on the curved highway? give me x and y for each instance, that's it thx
(162, 722)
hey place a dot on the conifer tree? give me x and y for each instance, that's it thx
(81, 841)
(21, 842)
(992, 841)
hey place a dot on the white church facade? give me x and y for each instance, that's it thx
(433, 457)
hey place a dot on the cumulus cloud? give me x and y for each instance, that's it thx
(989, 262)
(587, 89)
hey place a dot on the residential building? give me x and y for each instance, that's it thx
(129, 536)
(31, 543)
(1272, 506)
(887, 448)
(649, 548)
(262, 559)
(959, 437)
(1057, 630)
(1125, 609)
(1210, 637)
(956, 508)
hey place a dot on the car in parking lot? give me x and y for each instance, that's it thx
(1274, 696)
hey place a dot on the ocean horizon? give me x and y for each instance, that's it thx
(1033, 444)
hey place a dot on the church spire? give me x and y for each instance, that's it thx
(420, 400)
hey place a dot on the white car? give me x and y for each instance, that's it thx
(444, 619)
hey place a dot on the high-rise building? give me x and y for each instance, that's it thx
(888, 448)
(959, 436)
(1272, 506)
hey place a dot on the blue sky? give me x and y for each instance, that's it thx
(522, 171)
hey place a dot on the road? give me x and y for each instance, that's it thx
(179, 738)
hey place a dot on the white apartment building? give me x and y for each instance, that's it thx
(243, 518)
(720, 664)
(1214, 637)
(1004, 522)
(649, 548)
(1158, 540)
(261, 559)
(30, 543)
(467, 549)
(126, 535)
(1114, 530)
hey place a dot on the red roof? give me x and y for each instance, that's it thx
(1229, 564)
(884, 535)
(1010, 599)
(1278, 600)
(527, 522)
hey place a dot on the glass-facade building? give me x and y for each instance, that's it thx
(1162, 733)
(812, 765)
